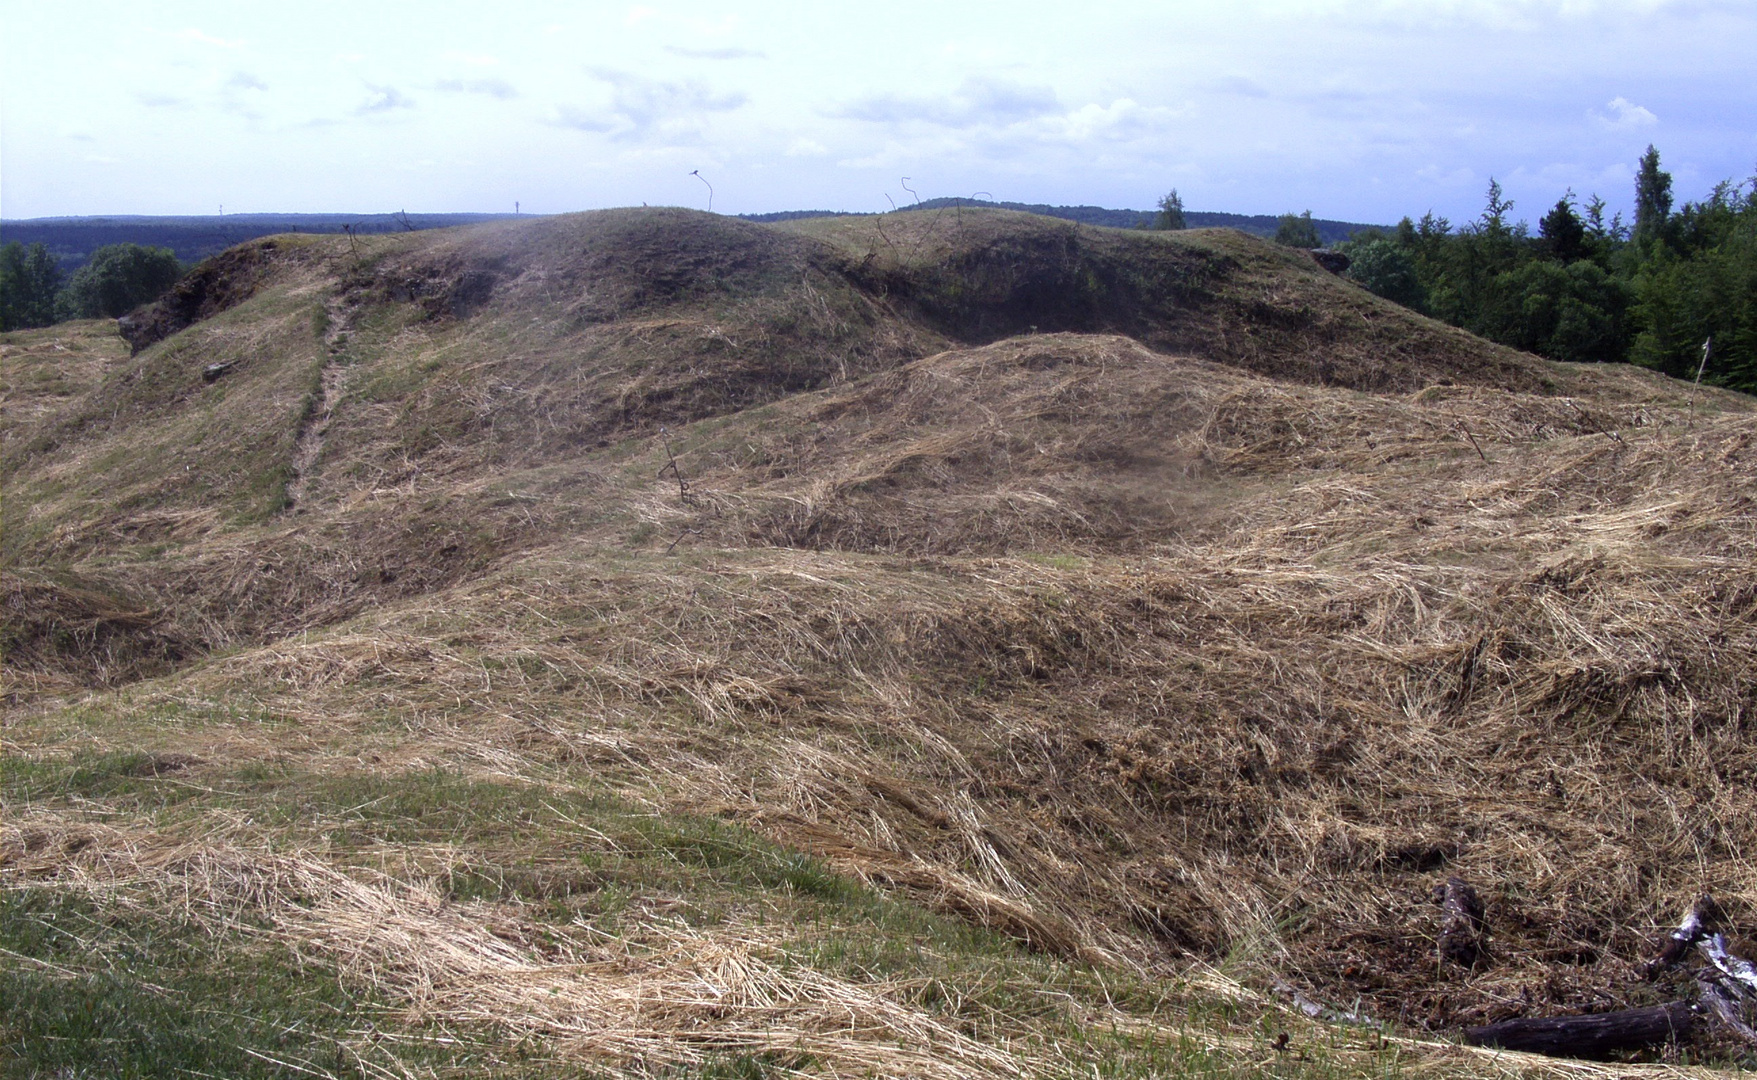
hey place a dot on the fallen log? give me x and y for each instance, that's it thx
(1726, 994)
(1725, 1001)
(1597, 1035)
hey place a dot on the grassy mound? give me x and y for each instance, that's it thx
(930, 645)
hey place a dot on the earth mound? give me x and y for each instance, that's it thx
(746, 598)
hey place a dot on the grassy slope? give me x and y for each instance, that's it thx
(1088, 688)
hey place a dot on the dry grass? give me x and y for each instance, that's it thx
(656, 991)
(1165, 670)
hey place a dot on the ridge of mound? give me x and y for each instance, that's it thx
(1217, 294)
(392, 415)
(345, 365)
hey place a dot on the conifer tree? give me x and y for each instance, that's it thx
(1171, 212)
(1653, 203)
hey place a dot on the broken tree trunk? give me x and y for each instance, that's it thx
(1725, 1001)
(1462, 932)
(1595, 1036)
(1704, 914)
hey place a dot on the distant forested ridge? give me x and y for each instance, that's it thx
(1265, 225)
(1654, 292)
(70, 241)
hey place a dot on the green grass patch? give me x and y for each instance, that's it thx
(89, 990)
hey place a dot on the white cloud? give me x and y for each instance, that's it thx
(1624, 115)
(472, 59)
(572, 116)
(717, 54)
(1123, 120)
(1255, 105)
(201, 38)
(1239, 86)
(1452, 178)
(643, 109)
(720, 27)
(1492, 13)
(977, 102)
(494, 88)
(384, 99)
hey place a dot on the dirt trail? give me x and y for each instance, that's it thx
(308, 443)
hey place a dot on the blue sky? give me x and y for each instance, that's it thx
(1361, 110)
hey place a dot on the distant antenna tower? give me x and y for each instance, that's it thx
(697, 173)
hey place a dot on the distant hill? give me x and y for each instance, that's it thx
(1330, 232)
(72, 239)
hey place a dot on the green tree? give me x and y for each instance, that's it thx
(1586, 288)
(1653, 203)
(1703, 284)
(29, 281)
(1573, 312)
(1171, 212)
(1564, 234)
(1298, 230)
(1387, 268)
(1494, 215)
(118, 279)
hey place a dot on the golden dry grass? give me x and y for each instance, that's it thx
(1167, 670)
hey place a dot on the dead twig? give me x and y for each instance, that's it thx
(687, 532)
(671, 467)
(1696, 387)
(1473, 441)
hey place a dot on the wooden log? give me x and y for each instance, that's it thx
(1462, 932)
(1740, 971)
(1726, 1002)
(1598, 1035)
(1729, 987)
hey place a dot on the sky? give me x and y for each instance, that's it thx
(1358, 110)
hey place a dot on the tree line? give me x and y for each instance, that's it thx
(1652, 292)
(117, 279)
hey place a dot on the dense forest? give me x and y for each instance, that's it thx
(1655, 291)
